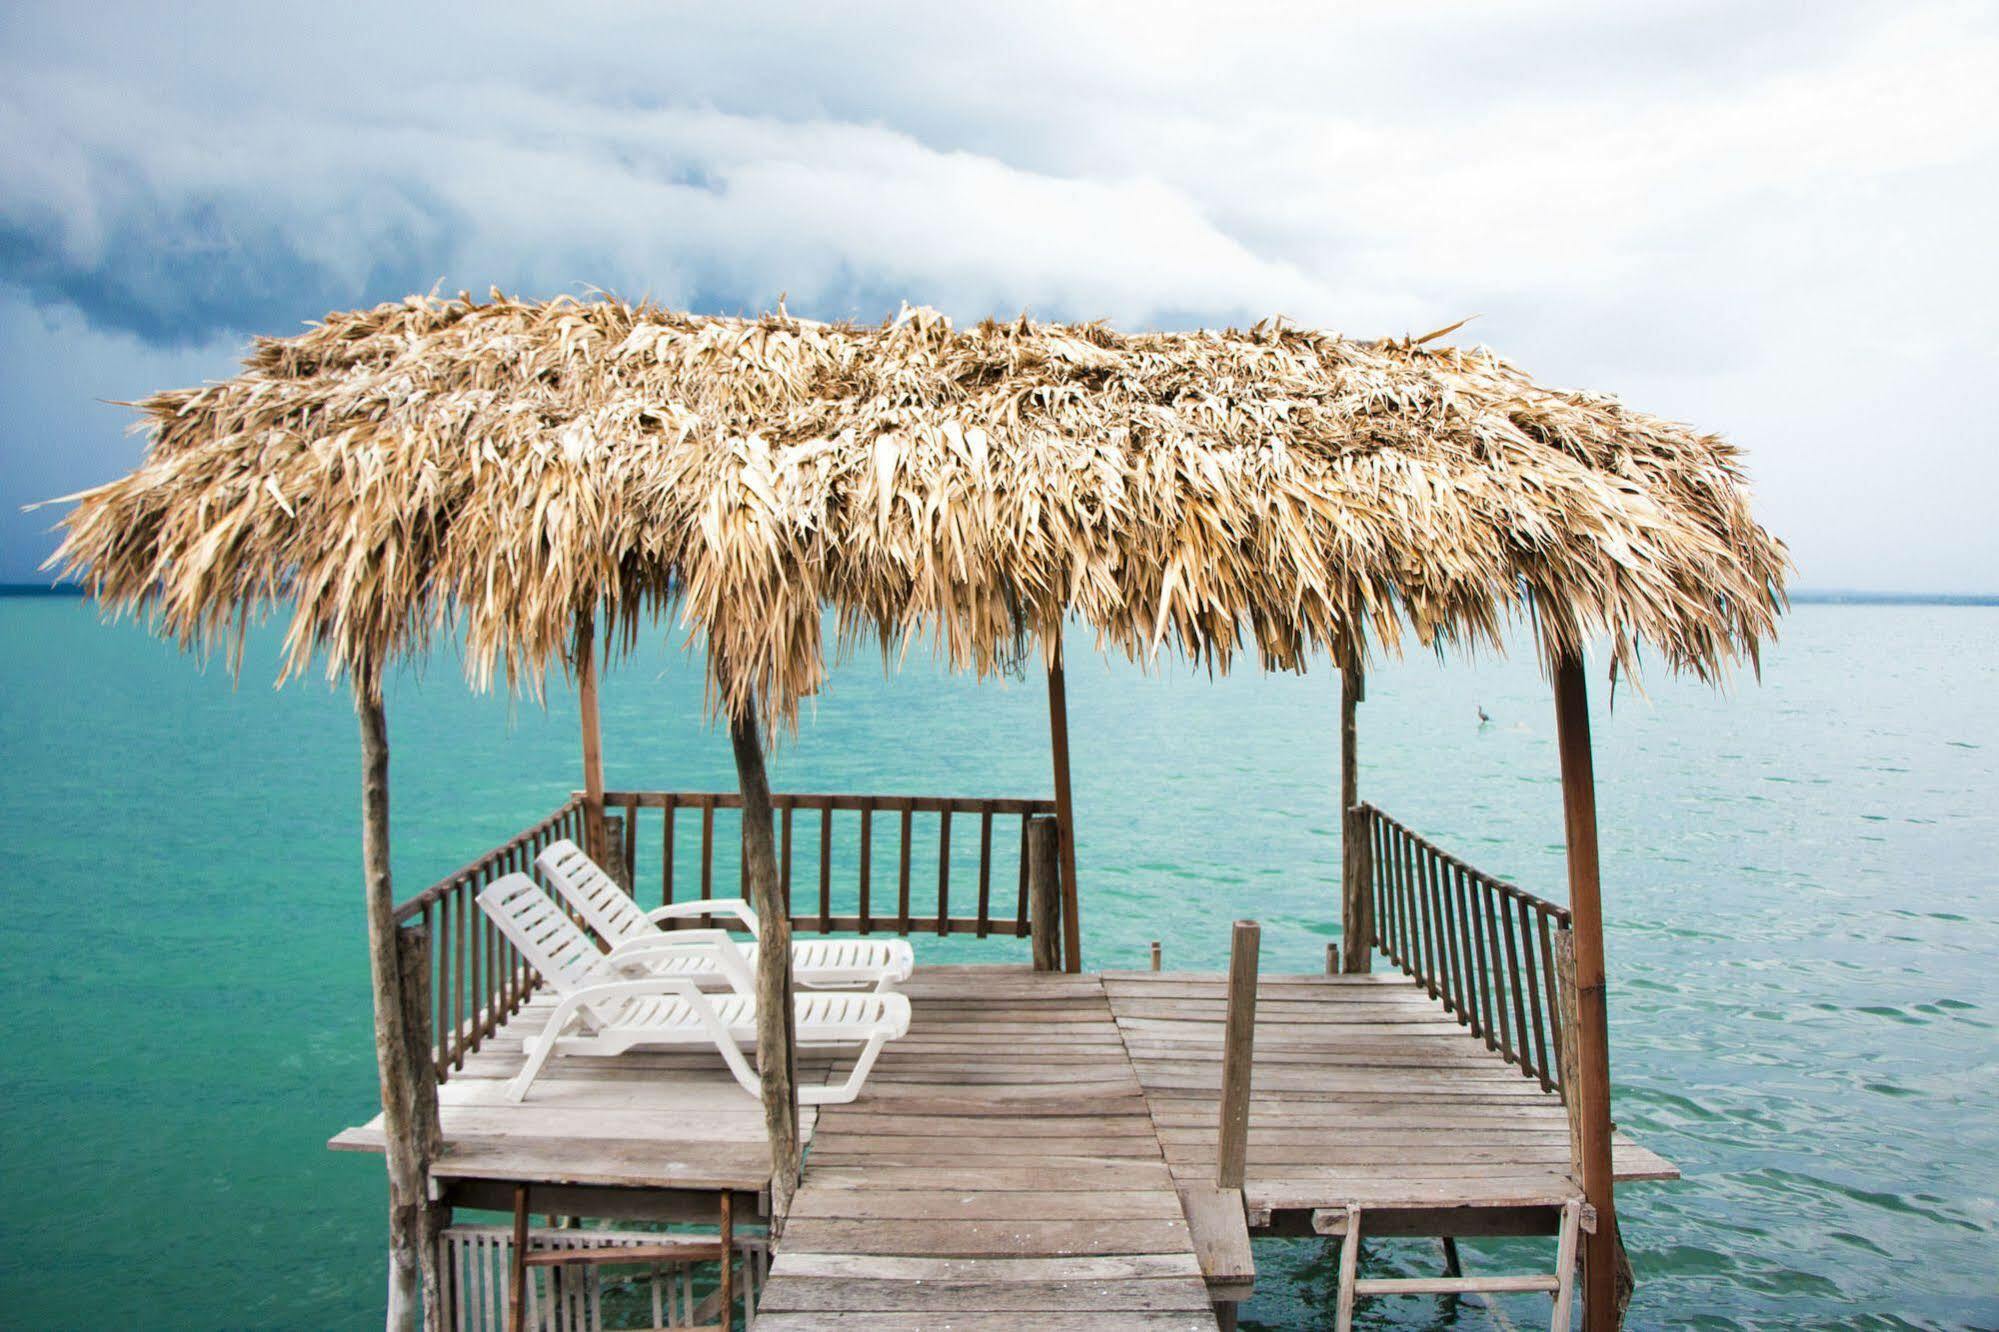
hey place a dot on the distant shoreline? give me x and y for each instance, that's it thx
(1807, 597)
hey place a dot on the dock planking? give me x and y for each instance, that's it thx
(1364, 1090)
(1031, 1154)
(1001, 1171)
(600, 1123)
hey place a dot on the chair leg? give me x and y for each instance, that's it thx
(851, 1088)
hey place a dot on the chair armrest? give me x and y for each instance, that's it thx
(717, 946)
(716, 906)
(667, 941)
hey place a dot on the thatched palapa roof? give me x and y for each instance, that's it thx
(497, 468)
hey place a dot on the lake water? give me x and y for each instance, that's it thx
(1801, 881)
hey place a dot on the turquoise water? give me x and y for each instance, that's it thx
(1802, 882)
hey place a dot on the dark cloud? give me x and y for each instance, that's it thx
(1722, 212)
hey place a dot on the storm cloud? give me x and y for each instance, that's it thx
(1772, 220)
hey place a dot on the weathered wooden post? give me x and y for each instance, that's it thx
(1156, 955)
(585, 662)
(1238, 1050)
(776, 1060)
(1590, 1092)
(1044, 892)
(1356, 895)
(413, 975)
(402, 1058)
(1065, 812)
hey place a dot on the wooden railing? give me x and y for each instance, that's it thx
(1479, 945)
(477, 979)
(844, 886)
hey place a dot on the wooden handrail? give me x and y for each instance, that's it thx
(1482, 947)
(477, 980)
(845, 854)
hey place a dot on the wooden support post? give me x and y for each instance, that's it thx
(1155, 955)
(776, 1060)
(1590, 1092)
(413, 975)
(727, 1235)
(585, 655)
(400, 1076)
(1065, 814)
(1044, 892)
(1356, 895)
(517, 1271)
(1238, 1049)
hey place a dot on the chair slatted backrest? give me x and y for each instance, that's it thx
(551, 942)
(609, 908)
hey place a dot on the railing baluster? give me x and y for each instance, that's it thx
(985, 867)
(1479, 899)
(1531, 969)
(1490, 949)
(631, 877)
(943, 870)
(867, 862)
(666, 853)
(826, 868)
(1433, 947)
(902, 874)
(1554, 1000)
(1514, 981)
(1020, 925)
(1454, 976)
(1474, 961)
(707, 851)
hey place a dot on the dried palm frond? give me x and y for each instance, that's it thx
(495, 468)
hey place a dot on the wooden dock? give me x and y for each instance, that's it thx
(1000, 1171)
(1365, 1091)
(1031, 1154)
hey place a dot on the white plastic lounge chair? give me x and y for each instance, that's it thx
(603, 1011)
(622, 924)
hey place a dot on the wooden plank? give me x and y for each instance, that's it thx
(874, 1321)
(787, 1294)
(1221, 1239)
(984, 1238)
(1017, 1205)
(1095, 1267)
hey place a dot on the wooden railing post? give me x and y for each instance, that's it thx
(1566, 1054)
(1065, 813)
(1356, 894)
(1238, 1050)
(1044, 892)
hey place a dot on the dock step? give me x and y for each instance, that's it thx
(1560, 1284)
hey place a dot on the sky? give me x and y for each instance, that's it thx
(1775, 221)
